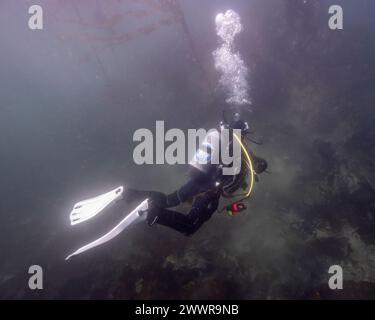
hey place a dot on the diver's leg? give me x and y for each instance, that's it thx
(190, 189)
(202, 210)
(172, 219)
(158, 198)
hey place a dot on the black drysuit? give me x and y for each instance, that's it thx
(206, 200)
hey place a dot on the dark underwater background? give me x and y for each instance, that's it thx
(72, 95)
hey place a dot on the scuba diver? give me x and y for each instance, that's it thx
(206, 185)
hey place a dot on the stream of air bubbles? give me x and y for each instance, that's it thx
(229, 62)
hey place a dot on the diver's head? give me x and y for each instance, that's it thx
(238, 124)
(235, 123)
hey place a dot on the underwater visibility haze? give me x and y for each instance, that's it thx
(73, 94)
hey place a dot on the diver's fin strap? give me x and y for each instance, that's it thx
(137, 215)
(86, 209)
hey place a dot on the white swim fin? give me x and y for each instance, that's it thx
(137, 215)
(86, 209)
